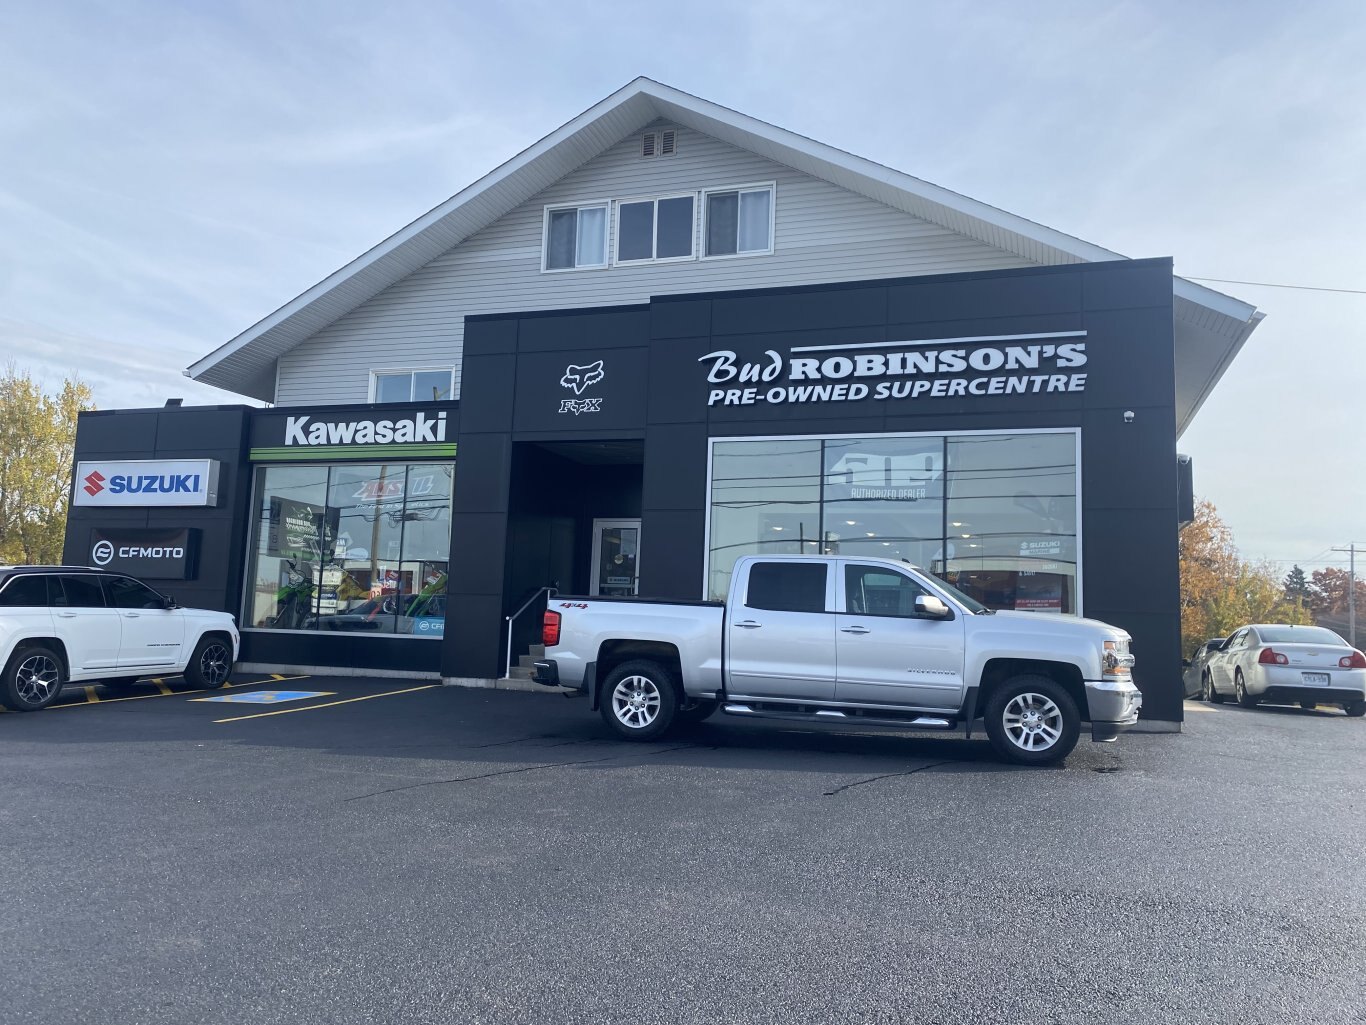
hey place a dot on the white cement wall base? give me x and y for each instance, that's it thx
(527, 686)
(394, 674)
(1154, 726)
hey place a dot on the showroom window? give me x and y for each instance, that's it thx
(358, 548)
(427, 385)
(575, 236)
(739, 221)
(655, 229)
(993, 514)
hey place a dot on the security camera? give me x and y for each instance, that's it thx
(1128, 416)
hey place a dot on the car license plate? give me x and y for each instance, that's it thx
(1316, 679)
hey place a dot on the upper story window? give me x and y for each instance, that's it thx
(738, 221)
(576, 236)
(428, 385)
(655, 229)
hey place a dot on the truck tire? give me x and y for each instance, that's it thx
(1032, 720)
(696, 710)
(211, 664)
(32, 680)
(639, 700)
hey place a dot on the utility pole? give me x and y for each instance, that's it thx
(1351, 551)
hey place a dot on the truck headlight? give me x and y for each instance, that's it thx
(1115, 660)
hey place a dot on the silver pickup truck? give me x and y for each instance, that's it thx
(832, 639)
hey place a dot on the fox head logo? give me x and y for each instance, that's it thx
(580, 378)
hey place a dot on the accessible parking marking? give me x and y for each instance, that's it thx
(269, 697)
(328, 704)
(165, 692)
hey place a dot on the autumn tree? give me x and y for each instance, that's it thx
(1328, 591)
(37, 442)
(1220, 590)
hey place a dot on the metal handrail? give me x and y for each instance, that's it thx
(507, 669)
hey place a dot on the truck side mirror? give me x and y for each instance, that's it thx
(929, 605)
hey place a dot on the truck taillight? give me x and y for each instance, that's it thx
(550, 629)
(1356, 660)
(1272, 657)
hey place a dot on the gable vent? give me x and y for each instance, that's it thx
(667, 142)
(648, 144)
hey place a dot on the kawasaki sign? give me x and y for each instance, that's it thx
(384, 433)
(138, 483)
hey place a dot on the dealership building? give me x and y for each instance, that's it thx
(665, 336)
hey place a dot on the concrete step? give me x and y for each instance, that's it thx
(522, 672)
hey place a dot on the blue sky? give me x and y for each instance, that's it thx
(172, 173)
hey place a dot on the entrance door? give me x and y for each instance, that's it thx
(616, 558)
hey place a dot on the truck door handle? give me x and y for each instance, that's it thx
(749, 624)
(854, 630)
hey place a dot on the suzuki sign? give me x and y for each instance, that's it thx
(146, 482)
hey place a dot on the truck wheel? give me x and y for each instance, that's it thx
(696, 710)
(33, 679)
(1032, 720)
(639, 700)
(211, 664)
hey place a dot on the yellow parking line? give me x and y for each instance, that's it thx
(163, 688)
(277, 676)
(90, 695)
(328, 704)
(273, 679)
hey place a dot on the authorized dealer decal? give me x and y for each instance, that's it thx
(904, 370)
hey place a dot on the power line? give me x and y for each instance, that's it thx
(1272, 284)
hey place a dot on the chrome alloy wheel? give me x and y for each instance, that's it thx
(1032, 721)
(635, 701)
(214, 663)
(37, 679)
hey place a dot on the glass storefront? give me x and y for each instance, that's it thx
(993, 514)
(355, 547)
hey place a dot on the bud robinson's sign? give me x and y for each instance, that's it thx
(902, 371)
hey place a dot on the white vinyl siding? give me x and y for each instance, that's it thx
(821, 233)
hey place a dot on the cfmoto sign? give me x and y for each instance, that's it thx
(157, 553)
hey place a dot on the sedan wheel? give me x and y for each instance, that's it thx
(1240, 688)
(1207, 691)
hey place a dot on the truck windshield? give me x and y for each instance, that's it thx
(971, 604)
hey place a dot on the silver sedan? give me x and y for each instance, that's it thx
(1280, 664)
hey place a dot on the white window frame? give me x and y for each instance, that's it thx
(772, 188)
(606, 206)
(654, 241)
(412, 372)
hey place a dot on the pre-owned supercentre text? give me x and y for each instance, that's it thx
(980, 370)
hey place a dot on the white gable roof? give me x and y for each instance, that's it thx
(1211, 327)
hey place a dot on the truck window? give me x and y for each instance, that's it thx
(787, 586)
(873, 591)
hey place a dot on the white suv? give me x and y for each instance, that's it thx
(64, 624)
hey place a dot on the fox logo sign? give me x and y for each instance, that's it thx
(581, 378)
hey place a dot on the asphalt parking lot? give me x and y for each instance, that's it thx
(392, 851)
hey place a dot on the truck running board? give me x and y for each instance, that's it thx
(830, 715)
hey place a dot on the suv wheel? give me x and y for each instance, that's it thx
(1032, 720)
(33, 678)
(639, 700)
(211, 664)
